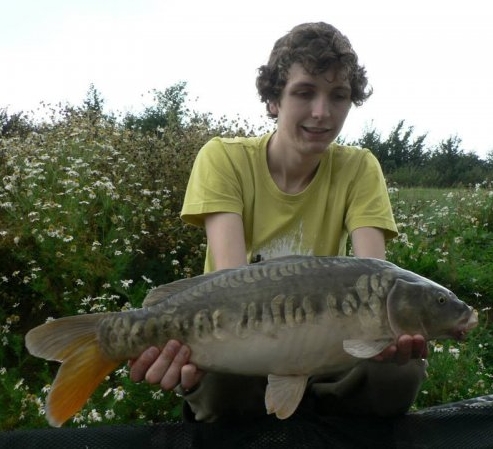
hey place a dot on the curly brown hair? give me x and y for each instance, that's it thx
(317, 47)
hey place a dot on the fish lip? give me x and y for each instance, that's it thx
(466, 325)
(472, 320)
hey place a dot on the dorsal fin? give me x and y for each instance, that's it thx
(162, 292)
(165, 291)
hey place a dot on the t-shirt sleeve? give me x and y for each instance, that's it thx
(368, 199)
(214, 184)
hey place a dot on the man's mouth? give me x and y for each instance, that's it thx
(315, 130)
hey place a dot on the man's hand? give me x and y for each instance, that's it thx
(407, 347)
(169, 368)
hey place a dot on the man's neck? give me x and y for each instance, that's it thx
(291, 170)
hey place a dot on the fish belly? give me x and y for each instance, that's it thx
(305, 350)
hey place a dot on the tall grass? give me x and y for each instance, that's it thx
(89, 222)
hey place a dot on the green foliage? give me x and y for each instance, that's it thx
(17, 124)
(406, 161)
(167, 112)
(398, 150)
(89, 222)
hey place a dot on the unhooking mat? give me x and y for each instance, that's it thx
(462, 425)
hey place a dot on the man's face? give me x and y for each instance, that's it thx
(312, 108)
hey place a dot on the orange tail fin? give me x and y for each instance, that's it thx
(72, 341)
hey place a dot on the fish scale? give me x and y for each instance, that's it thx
(119, 333)
(286, 319)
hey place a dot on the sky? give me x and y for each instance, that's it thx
(429, 61)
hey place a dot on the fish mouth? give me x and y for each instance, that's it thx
(468, 323)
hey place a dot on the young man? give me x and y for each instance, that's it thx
(293, 191)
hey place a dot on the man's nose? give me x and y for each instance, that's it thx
(320, 107)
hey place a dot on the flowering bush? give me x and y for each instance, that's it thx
(89, 222)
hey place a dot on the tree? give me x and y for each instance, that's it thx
(453, 166)
(16, 124)
(399, 150)
(93, 102)
(168, 111)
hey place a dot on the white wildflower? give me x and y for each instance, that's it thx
(438, 347)
(107, 392)
(119, 393)
(454, 351)
(122, 372)
(157, 394)
(146, 279)
(94, 416)
(126, 283)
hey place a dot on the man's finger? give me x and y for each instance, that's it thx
(190, 377)
(420, 349)
(160, 365)
(139, 366)
(387, 354)
(170, 371)
(404, 352)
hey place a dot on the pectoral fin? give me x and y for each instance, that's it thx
(365, 349)
(283, 394)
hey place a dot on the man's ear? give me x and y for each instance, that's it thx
(274, 108)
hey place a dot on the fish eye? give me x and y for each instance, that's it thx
(442, 299)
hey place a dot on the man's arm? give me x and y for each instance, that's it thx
(226, 239)
(368, 242)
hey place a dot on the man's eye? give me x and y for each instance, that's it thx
(342, 96)
(304, 93)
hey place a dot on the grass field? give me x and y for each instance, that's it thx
(447, 236)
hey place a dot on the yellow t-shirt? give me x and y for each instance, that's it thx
(348, 191)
